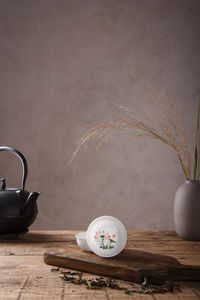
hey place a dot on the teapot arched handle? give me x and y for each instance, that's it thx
(23, 161)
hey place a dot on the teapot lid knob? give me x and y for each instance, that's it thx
(3, 184)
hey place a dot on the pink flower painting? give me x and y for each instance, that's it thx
(105, 239)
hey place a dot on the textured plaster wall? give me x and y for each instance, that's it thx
(63, 64)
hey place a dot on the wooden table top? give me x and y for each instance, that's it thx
(23, 274)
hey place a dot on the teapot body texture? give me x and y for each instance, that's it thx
(18, 208)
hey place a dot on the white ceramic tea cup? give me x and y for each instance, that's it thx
(81, 239)
(106, 236)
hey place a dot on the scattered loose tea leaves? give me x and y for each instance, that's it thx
(113, 284)
(71, 273)
(101, 282)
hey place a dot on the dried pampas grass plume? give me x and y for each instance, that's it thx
(161, 121)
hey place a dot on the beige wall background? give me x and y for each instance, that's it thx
(63, 64)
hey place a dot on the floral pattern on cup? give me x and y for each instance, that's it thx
(105, 239)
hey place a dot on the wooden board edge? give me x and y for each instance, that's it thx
(103, 270)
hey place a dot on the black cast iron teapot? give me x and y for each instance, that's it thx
(18, 208)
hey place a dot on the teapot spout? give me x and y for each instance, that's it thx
(30, 203)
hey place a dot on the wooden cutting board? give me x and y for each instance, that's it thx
(132, 265)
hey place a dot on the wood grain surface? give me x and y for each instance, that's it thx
(24, 275)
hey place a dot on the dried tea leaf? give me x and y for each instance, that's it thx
(55, 269)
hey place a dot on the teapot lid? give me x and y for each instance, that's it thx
(4, 189)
